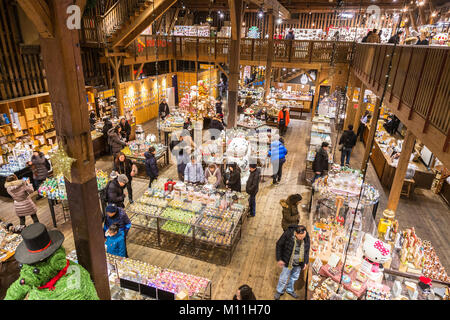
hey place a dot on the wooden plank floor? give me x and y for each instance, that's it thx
(253, 261)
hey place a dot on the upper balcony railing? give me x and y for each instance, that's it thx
(419, 79)
(255, 50)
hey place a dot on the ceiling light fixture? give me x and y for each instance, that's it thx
(279, 20)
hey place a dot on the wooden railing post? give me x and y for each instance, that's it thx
(433, 97)
(404, 82)
(419, 80)
(310, 50)
(395, 74)
(253, 49)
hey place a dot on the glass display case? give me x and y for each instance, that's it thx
(197, 213)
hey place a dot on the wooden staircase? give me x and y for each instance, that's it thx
(123, 22)
(135, 17)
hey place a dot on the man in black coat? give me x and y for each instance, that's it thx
(106, 126)
(348, 141)
(151, 166)
(320, 163)
(125, 129)
(164, 110)
(252, 188)
(292, 253)
(115, 191)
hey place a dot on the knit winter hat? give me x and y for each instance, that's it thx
(122, 178)
(113, 175)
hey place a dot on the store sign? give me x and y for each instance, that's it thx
(106, 94)
(206, 66)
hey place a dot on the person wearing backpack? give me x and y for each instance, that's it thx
(348, 141)
(40, 166)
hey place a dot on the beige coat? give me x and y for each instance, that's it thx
(20, 191)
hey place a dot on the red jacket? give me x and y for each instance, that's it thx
(280, 116)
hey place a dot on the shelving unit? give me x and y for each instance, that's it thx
(34, 119)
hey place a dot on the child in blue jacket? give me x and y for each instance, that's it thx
(115, 241)
(277, 154)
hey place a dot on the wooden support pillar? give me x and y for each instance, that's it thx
(413, 20)
(361, 108)
(400, 172)
(316, 94)
(349, 111)
(268, 76)
(116, 67)
(64, 69)
(423, 21)
(236, 14)
(372, 130)
(132, 77)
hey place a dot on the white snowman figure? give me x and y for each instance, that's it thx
(376, 252)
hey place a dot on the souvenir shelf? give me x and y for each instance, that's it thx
(338, 227)
(201, 216)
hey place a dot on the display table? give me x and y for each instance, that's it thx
(386, 171)
(98, 143)
(195, 218)
(139, 159)
(54, 189)
(9, 267)
(445, 192)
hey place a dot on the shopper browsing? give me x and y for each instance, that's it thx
(193, 173)
(362, 125)
(125, 166)
(292, 253)
(164, 110)
(252, 188)
(115, 141)
(114, 191)
(290, 210)
(115, 241)
(320, 163)
(151, 166)
(107, 125)
(39, 166)
(277, 154)
(244, 293)
(348, 141)
(20, 191)
(125, 129)
(283, 120)
(233, 180)
(213, 175)
(118, 216)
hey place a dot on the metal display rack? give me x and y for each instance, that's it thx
(192, 233)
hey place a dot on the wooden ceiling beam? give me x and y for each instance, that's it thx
(39, 13)
(275, 5)
(174, 20)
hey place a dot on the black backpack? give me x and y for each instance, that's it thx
(47, 164)
(104, 192)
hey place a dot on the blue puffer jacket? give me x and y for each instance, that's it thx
(277, 151)
(121, 218)
(116, 244)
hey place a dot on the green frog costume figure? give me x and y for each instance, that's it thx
(45, 272)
